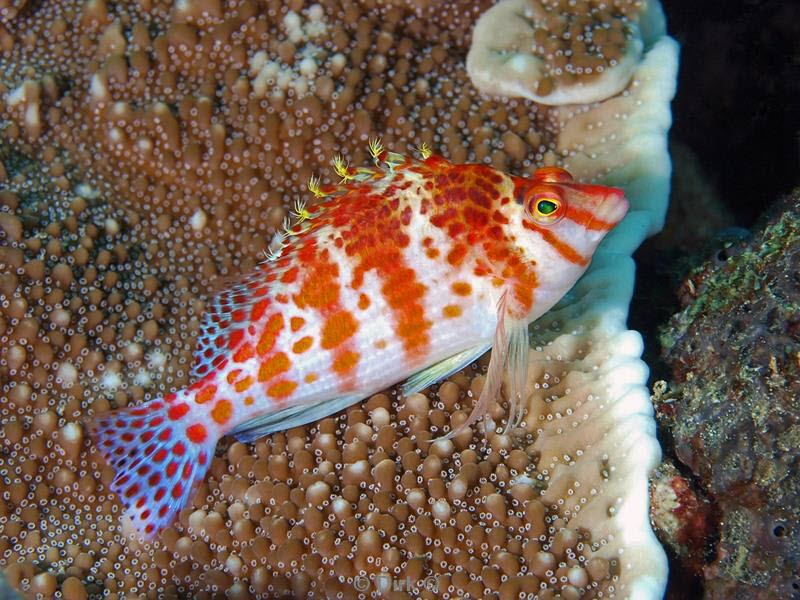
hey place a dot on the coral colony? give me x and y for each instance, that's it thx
(151, 151)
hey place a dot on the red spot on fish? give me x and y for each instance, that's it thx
(178, 411)
(456, 256)
(236, 338)
(196, 433)
(258, 310)
(290, 276)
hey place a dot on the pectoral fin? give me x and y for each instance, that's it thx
(419, 381)
(510, 347)
(518, 351)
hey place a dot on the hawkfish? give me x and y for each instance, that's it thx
(410, 269)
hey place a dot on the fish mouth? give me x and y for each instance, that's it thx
(613, 207)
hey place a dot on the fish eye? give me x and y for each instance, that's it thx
(546, 207)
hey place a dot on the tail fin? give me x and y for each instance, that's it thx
(158, 455)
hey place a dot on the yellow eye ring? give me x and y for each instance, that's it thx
(546, 208)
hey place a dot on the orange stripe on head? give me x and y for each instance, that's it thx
(564, 249)
(587, 220)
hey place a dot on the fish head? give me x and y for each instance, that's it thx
(559, 224)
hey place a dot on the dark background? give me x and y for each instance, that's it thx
(738, 100)
(735, 144)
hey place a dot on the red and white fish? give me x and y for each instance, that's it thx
(407, 271)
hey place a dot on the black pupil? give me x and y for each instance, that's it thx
(546, 207)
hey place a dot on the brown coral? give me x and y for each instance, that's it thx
(152, 147)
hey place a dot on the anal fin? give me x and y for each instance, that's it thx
(292, 416)
(419, 381)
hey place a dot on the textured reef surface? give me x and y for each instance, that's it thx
(734, 413)
(150, 147)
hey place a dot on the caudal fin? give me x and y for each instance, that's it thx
(158, 457)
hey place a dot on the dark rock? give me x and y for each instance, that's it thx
(734, 411)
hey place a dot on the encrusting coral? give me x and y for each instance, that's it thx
(734, 351)
(151, 147)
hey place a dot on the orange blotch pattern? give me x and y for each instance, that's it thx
(302, 344)
(233, 375)
(275, 365)
(461, 288)
(244, 384)
(245, 353)
(338, 328)
(311, 378)
(320, 288)
(345, 362)
(282, 389)
(248, 401)
(451, 311)
(363, 302)
(269, 335)
(206, 394)
(222, 411)
(296, 323)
